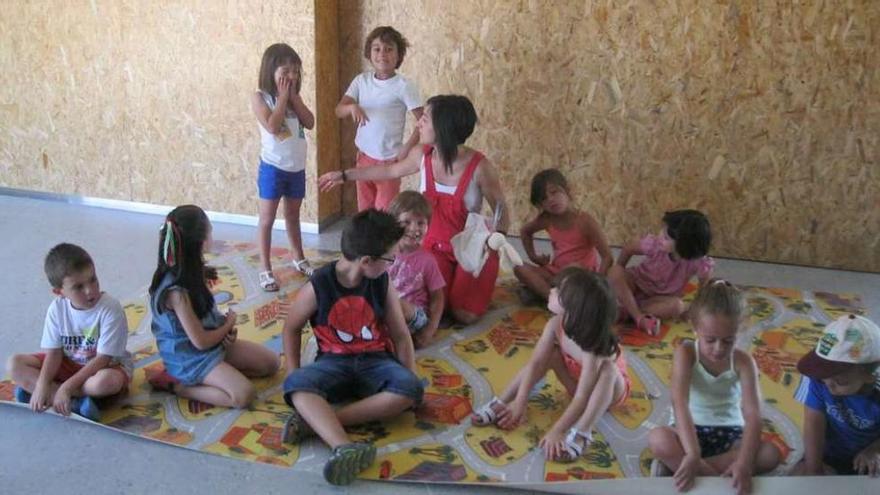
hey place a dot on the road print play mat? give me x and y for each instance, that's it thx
(462, 370)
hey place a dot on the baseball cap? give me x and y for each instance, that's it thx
(847, 341)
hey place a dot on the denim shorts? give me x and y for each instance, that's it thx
(716, 440)
(418, 321)
(341, 377)
(274, 183)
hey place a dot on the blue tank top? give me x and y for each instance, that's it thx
(182, 359)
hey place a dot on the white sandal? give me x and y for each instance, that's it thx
(267, 281)
(573, 449)
(303, 266)
(486, 415)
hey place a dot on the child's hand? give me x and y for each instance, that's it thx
(742, 477)
(40, 398)
(541, 259)
(553, 444)
(284, 85)
(230, 337)
(868, 461)
(687, 471)
(62, 401)
(230, 320)
(358, 115)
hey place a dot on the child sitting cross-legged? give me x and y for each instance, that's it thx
(365, 353)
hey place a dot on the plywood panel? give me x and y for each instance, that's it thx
(144, 101)
(766, 115)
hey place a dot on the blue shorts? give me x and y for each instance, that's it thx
(715, 440)
(273, 183)
(418, 321)
(340, 377)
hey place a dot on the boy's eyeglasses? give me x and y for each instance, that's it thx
(386, 259)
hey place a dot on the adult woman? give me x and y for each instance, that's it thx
(454, 179)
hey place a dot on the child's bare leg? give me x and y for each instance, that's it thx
(25, 371)
(766, 459)
(664, 307)
(536, 278)
(291, 222)
(665, 445)
(321, 417)
(224, 386)
(384, 405)
(609, 388)
(104, 383)
(268, 208)
(252, 359)
(623, 288)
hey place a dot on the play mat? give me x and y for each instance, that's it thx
(462, 370)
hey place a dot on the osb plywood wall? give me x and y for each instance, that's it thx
(766, 115)
(143, 101)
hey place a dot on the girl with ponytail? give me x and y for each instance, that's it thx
(203, 358)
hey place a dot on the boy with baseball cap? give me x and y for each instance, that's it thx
(842, 400)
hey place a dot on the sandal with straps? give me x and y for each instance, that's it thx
(267, 281)
(487, 415)
(573, 448)
(649, 324)
(303, 266)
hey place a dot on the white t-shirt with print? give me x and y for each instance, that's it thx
(386, 103)
(83, 334)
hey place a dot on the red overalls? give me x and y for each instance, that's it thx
(449, 216)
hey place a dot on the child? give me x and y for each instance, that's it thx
(576, 236)
(415, 274)
(202, 355)
(652, 289)
(83, 343)
(842, 400)
(377, 102)
(715, 399)
(365, 352)
(282, 115)
(580, 346)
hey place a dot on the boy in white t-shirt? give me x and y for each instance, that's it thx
(83, 342)
(377, 101)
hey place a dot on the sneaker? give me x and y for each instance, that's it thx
(347, 461)
(87, 408)
(22, 395)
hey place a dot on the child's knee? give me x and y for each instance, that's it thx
(660, 440)
(768, 457)
(243, 397)
(679, 307)
(464, 316)
(16, 363)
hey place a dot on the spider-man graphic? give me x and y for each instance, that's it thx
(352, 328)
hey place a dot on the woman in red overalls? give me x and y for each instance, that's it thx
(454, 179)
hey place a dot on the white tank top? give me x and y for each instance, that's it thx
(287, 149)
(715, 400)
(473, 198)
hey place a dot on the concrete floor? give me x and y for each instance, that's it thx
(45, 453)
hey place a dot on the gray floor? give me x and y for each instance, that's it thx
(45, 453)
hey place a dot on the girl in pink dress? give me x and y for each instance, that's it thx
(576, 236)
(653, 289)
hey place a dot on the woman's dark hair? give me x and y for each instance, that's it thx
(370, 233)
(274, 56)
(691, 232)
(453, 118)
(590, 310)
(181, 255)
(543, 179)
(388, 35)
